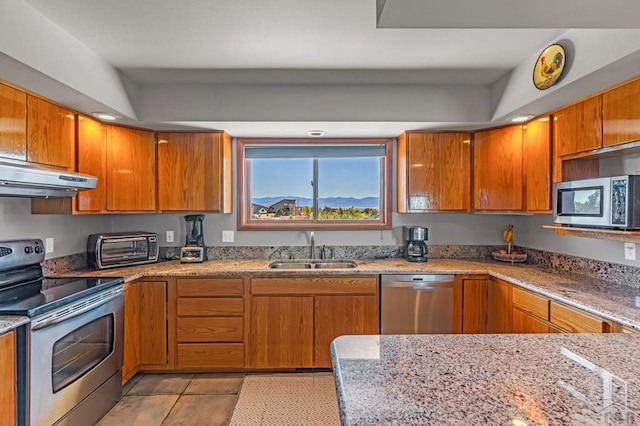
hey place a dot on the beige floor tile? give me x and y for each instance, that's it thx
(201, 410)
(161, 384)
(214, 384)
(131, 383)
(139, 410)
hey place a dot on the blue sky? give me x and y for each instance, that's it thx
(352, 177)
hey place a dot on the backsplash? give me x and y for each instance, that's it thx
(617, 273)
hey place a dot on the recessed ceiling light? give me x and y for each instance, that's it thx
(105, 116)
(521, 118)
(316, 133)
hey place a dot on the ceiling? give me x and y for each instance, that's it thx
(282, 67)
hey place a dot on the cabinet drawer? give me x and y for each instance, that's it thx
(315, 285)
(210, 306)
(210, 329)
(575, 321)
(193, 287)
(530, 302)
(210, 355)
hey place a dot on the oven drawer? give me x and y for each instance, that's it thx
(210, 355)
(210, 329)
(210, 306)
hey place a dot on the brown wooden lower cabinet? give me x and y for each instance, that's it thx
(338, 316)
(210, 323)
(486, 305)
(534, 313)
(131, 362)
(8, 379)
(573, 320)
(146, 322)
(294, 320)
(281, 331)
(522, 322)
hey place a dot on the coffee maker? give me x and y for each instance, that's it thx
(195, 250)
(415, 243)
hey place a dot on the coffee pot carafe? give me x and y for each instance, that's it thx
(415, 243)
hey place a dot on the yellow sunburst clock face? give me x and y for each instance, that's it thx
(549, 66)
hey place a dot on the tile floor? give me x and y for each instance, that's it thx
(176, 399)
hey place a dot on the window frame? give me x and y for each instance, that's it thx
(244, 203)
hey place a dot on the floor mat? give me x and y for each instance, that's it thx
(287, 399)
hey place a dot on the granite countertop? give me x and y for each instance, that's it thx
(610, 300)
(9, 322)
(518, 379)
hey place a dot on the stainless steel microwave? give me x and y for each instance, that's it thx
(111, 250)
(605, 202)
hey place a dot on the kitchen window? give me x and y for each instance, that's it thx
(299, 184)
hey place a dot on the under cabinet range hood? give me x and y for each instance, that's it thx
(19, 179)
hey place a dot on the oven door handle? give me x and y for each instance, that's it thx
(79, 308)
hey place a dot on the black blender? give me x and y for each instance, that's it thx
(195, 249)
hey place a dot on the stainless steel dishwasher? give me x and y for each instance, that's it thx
(416, 304)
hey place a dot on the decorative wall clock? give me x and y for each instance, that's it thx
(549, 66)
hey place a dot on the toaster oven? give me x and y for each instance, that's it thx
(111, 250)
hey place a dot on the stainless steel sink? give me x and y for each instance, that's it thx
(314, 264)
(336, 264)
(290, 265)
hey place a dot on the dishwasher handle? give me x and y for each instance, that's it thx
(418, 285)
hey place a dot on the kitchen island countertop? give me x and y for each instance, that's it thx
(610, 300)
(488, 379)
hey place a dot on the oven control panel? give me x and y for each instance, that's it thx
(18, 253)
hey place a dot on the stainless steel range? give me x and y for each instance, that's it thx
(70, 355)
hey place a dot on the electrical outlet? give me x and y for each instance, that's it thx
(630, 251)
(169, 236)
(227, 236)
(48, 245)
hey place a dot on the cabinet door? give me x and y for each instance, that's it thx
(621, 114)
(434, 172)
(454, 163)
(485, 306)
(192, 171)
(498, 169)
(536, 157)
(281, 331)
(153, 322)
(131, 169)
(92, 160)
(13, 123)
(522, 322)
(422, 174)
(578, 127)
(51, 134)
(8, 379)
(342, 315)
(131, 331)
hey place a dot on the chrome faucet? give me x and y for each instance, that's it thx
(313, 247)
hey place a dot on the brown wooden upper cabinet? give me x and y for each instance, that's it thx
(131, 169)
(578, 128)
(621, 114)
(13, 123)
(434, 172)
(123, 160)
(497, 169)
(51, 134)
(536, 160)
(194, 172)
